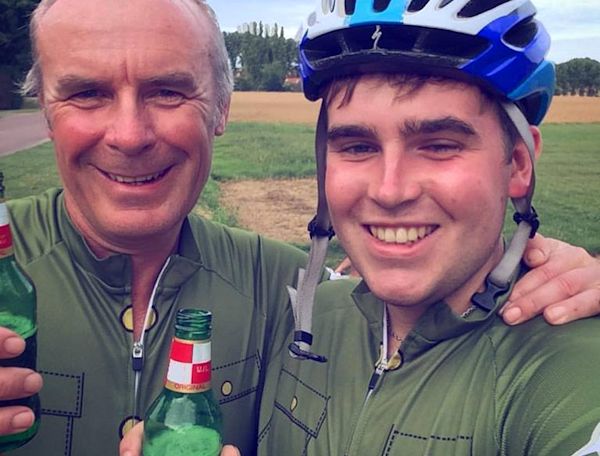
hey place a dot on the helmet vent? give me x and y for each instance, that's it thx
(350, 6)
(531, 106)
(442, 48)
(444, 3)
(476, 7)
(417, 5)
(328, 6)
(522, 34)
(380, 5)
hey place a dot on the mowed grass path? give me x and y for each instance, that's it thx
(567, 194)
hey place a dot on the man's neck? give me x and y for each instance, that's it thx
(148, 256)
(145, 272)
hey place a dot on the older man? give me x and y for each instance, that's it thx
(134, 93)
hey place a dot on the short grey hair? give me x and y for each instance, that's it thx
(32, 85)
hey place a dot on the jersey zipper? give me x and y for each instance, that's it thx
(375, 380)
(137, 350)
(363, 415)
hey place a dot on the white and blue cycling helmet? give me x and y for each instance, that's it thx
(495, 44)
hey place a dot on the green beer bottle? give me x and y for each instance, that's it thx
(185, 419)
(17, 313)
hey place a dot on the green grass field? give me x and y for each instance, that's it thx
(567, 195)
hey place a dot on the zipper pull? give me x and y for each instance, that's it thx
(137, 356)
(381, 367)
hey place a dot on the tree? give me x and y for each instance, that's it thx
(15, 53)
(233, 43)
(578, 76)
(262, 57)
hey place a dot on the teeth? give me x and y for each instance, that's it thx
(135, 180)
(412, 234)
(400, 235)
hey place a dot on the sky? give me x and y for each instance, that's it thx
(574, 25)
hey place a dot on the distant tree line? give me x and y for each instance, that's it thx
(578, 77)
(15, 54)
(262, 58)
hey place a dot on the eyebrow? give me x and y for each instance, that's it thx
(176, 80)
(73, 83)
(350, 131)
(429, 126)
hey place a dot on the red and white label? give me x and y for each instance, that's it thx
(5, 236)
(189, 366)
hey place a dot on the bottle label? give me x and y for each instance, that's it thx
(5, 236)
(189, 366)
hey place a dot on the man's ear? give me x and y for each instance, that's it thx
(221, 121)
(521, 166)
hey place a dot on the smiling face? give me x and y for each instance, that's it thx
(129, 93)
(417, 183)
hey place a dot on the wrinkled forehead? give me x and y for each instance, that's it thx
(124, 22)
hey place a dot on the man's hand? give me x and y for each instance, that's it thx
(131, 445)
(15, 383)
(564, 284)
(345, 267)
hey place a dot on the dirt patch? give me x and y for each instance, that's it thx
(284, 107)
(280, 209)
(290, 107)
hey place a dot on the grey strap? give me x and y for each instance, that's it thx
(303, 299)
(499, 278)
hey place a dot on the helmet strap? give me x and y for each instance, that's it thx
(321, 232)
(498, 280)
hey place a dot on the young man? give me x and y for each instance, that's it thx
(428, 127)
(134, 93)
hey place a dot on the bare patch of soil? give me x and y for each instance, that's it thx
(280, 107)
(280, 209)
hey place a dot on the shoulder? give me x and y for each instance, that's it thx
(35, 224)
(547, 386)
(538, 339)
(335, 295)
(543, 361)
(220, 243)
(247, 259)
(337, 288)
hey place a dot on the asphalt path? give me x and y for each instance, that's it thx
(22, 131)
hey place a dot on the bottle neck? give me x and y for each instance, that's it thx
(189, 366)
(6, 245)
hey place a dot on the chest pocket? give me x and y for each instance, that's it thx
(236, 380)
(235, 386)
(62, 405)
(300, 411)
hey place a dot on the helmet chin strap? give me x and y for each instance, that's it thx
(321, 232)
(498, 280)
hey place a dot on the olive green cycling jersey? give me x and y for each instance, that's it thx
(85, 324)
(459, 386)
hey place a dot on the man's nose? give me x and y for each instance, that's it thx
(131, 129)
(397, 180)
